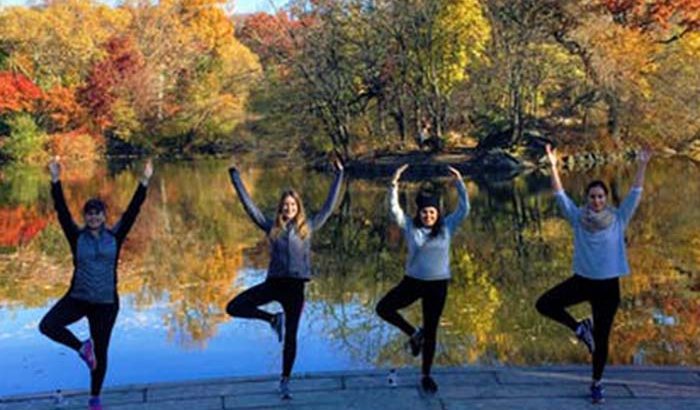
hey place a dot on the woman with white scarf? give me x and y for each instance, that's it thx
(599, 261)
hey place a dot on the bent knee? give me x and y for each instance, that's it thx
(45, 327)
(543, 305)
(231, 308)
(380, 309)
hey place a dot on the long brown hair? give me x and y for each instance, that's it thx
(299, 220)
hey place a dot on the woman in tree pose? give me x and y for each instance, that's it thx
(93, 290)
(428, 236)
(599, 261)
(289, 235)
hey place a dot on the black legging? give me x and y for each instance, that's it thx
(101, 318)
(289, 293)
(604, 297)
(433, 294)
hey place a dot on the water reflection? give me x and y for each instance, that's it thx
(192, 242)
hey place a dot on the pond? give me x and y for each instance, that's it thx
(193, 248)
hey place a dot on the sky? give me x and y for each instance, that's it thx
(241, 6)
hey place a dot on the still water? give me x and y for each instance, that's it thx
(193, 248)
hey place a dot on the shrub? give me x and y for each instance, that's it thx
(26, 140)
(75, 146)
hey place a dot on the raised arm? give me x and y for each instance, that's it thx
(394, 206)
(122, 228)
(631, 201)
(322, 216)
(70, 229)
(643, 160)
(248, 204)
(455, 218)
(556, 181)
(566, 205)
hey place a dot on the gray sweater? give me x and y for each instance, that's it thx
(290, 255)
(600, 255)
(429, 258)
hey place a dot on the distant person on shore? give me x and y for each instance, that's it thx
(428, 238)
(423, 136)
(289, 235)
(599, 261)
(93, 290)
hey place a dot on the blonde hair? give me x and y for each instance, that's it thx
(299, 220)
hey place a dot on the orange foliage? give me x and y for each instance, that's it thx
(76, 145)
(17, 92)
(98, 95)
(19, 225)
(269, 36)
(59, 105)
(641, 13)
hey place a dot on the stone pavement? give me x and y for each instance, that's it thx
(493, 388)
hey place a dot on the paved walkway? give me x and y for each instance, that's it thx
(493, 388)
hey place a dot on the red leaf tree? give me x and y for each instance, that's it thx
(61, 110)
(646, 14)
(270, 36)
(17, 93)
(99, 93)
(19, 225)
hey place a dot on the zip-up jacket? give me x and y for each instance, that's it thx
(290, 255)
(95, 257)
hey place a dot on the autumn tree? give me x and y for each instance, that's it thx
(17, 93)
(20, 138)
(60, 111)
(270, 37)
(99, 94)
(442, 40)
(361, 62)
(57, 42)
(193, 78)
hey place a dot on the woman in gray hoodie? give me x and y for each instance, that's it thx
(289, 235)
(428, 237)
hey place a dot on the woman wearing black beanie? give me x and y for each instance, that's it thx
(428, 237)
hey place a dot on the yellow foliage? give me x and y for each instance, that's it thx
(61, 40)
(463, 35)
(623, 56)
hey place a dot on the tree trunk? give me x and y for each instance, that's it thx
(400, 119)
(613, 104)
(516, 114)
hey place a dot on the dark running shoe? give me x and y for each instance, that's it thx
(285, 392)
(415, 342)
(94, 403)
(277, 325)
(597, 393)
(87, 353)
(428, 385)
(584, 333)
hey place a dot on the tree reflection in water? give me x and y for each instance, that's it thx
(192, 238)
